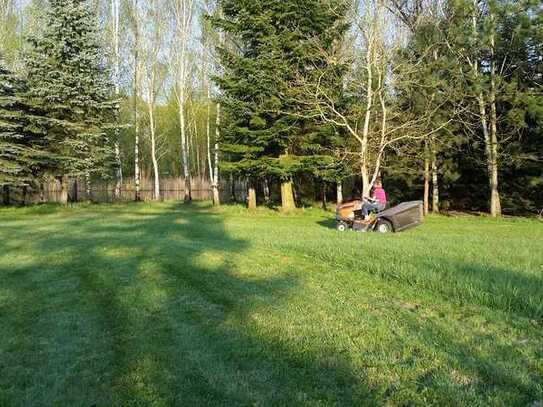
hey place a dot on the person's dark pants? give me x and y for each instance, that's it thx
(371, 207)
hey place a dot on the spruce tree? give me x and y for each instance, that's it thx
(278, 43)
(68, 81)
(23, 154)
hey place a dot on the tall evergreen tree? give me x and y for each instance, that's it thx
(22, 135)
(277, 42)
(493, 39)
(68, 81)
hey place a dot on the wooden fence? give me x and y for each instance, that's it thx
(171, 189)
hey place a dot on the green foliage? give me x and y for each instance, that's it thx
(277, 44)
(22, 134)
(68, 82)
(451, 83)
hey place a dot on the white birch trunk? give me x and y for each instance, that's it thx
(115, 5)
(88, 186)
(215, 184)
(152, 131)
(364, 170)
(137, 196)
(339, 193)
(184, 150)
(183, 10)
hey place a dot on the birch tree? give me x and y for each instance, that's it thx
(211, 62)
(6, 9)
(154, 73)
(115, 35)
(135, 14)
(369, 113)
(484, 36)
(12, 31)
(183, 13)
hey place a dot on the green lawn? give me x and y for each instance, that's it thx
(169, 304)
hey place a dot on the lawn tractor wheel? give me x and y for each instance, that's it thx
(342, 226)
(383, 226)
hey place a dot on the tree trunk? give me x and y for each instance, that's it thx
(63, 199)
(119, 175)
(324, 204)
(266, 188)
(233, 189)
(25, 194)
(156, 172)
(208, 135)
(287, 196)
(152, 131)
(137, 175)
(495, 201)
(435, 180)
(116, 23)
(197, 151)
(6, 198)
(88, 186)
(296, 188)
(184, 154)
(251, 197)
(137, 196)
(339, 193)
(366, 184)
(216, 195)
(364, 172)
(215, 183)
(491, 148)
(42, 192)
(156, 192)
(490, 135)
(182, 123)
(426, 179)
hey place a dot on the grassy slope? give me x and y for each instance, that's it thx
(167, 304)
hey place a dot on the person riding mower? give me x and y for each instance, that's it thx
(376, 203)
(370, 214)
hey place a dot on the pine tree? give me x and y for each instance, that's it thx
(277, 43)
(486, 37)
(68, 82)
(22, 135)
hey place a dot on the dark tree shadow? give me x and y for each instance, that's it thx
(132, 306)
(328, 223)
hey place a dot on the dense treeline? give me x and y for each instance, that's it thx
(443, 100)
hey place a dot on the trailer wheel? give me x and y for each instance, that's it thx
(383, 226)
(342, 226)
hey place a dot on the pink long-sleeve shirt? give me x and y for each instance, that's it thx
(380, 194)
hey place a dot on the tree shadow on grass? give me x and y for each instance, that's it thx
(148, 307)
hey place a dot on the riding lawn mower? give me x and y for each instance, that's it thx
(400, 217)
